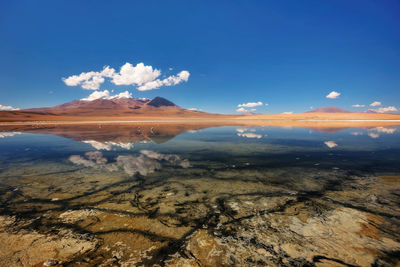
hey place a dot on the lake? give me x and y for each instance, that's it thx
(178, 195)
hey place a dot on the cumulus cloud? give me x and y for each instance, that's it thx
(147, 162)
(108, 145)
(106, 95)
(375, 104)
(182, 76)
(358, 106)
(356, 133)
(330, 144)
(385, 109)
(8, 134)
(171, 158)
(250, 135)
(287, 112)
(333, 95)
(132, 165)
(90, 80)
(125, 94)
(385, 130)
(373, 135)
(375, 132)
(241, 110)
(142, 76)
(97, 95)
(250, 104)
(7, 108)
(138, 75)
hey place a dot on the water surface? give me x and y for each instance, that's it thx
(185, 196)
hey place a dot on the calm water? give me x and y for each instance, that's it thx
(179, 196)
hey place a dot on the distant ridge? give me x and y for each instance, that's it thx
(329, 110)
(112, 106)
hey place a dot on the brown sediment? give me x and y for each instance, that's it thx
(370, 228)
(390, 179)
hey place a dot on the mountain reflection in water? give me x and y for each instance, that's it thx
(190, 195)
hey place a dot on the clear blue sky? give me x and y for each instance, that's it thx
(289, 54)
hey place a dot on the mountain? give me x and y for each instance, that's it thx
(111, 107)
(329, 110)
(160, 102)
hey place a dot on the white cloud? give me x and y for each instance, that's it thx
(358, 106)
(147, 162)
(330, 144)
(373, 135)
(108, 145)
(145, 77)
(375, 104)
(386, 109)
(385, 130)
(253, 109)
(97, 95)
(250, 104)
(106, 95)
(7, 108)
(138, 75)
(242, 110)
(266, 105)
(171, 158)
(356, 133)
(250, 135)
(375, 132)
(182, 76)
(125, 94)
(333, 95)
(287, 112)
(8, 134)
(90, 80)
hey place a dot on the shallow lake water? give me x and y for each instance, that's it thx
(177, 196)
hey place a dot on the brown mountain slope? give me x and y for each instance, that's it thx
(105, 109)
(329, 110)
(110, 107)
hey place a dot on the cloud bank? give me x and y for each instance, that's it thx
(7, 108)
(250, 104)
(333, 95)
(142, 76)
(146, 162)
(358, 106)
(330, 144)
(384, 109)
(241, 110)
(106, 95)
(375, 104)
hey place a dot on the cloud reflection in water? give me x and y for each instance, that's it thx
(147, 162)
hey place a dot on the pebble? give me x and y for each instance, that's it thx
(50, 262)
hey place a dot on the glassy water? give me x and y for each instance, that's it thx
(152, 195)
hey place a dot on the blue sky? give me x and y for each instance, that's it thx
(289, 54)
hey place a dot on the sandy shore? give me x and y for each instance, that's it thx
(307, 120)
(351, 123)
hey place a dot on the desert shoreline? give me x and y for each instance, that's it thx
(187, 121)
(306, 123)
